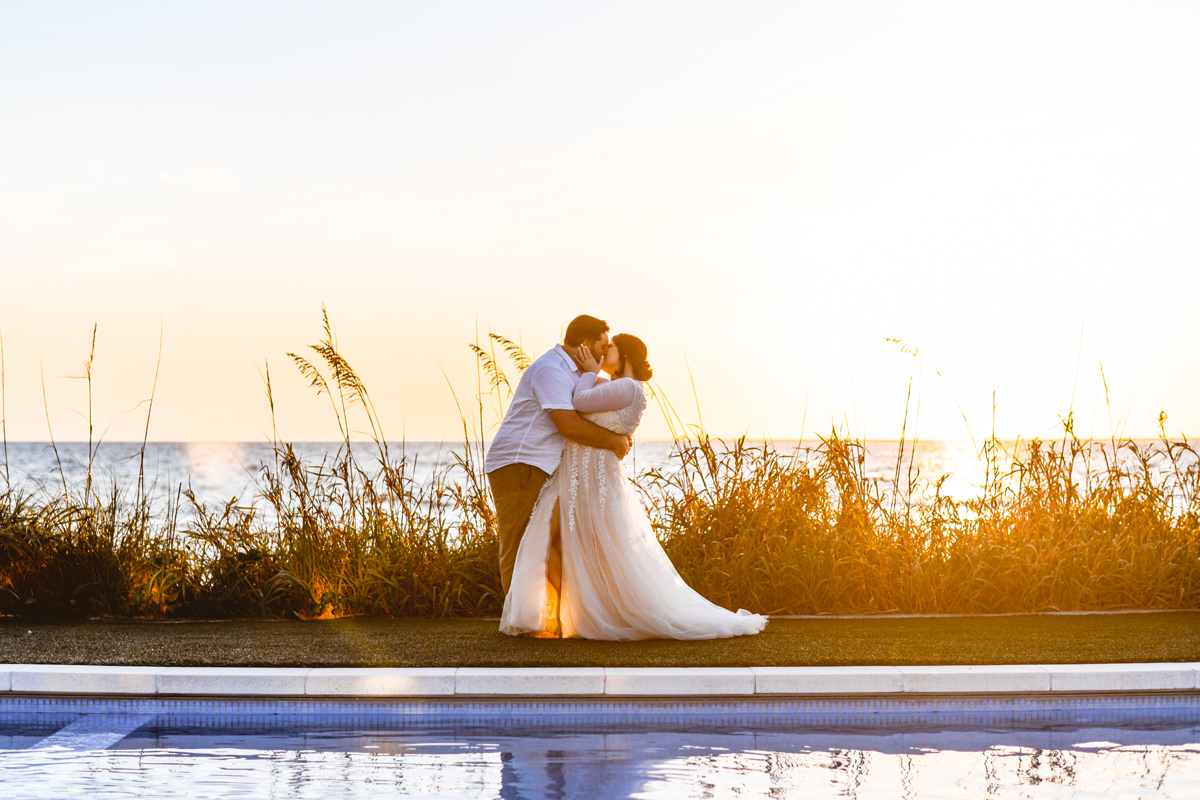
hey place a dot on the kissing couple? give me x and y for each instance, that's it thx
(578, 556)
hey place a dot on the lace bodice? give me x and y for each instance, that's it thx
(622, 420)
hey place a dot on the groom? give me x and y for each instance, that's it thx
(530, 442)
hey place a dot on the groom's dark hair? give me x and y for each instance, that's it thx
(584, 329)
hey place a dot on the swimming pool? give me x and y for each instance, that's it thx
(1127, 746)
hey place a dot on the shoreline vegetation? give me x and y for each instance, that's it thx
(1065, 525)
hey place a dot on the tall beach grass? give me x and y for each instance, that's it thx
(1063, 525)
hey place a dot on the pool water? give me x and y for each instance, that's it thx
(1128, 747)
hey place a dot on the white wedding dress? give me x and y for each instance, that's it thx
(616, 582)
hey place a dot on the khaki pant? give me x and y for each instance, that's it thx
(515, 489)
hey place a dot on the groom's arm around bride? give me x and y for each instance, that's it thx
(541, 419)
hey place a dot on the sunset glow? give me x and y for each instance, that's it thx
(764, 194)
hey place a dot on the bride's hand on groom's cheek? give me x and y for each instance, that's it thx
(587, 360)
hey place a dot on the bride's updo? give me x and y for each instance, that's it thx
(633, 351)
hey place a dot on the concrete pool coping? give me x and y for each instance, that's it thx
(555, 682)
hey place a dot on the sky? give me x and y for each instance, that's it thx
(805, 209)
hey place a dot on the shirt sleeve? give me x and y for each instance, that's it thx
(552, 389)
(605, 396)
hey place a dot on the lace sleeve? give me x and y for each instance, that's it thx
(606, 396)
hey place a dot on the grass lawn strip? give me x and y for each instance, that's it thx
(1033, 639)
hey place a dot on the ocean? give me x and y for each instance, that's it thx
(218, 472)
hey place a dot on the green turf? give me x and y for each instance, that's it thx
(1167, 636)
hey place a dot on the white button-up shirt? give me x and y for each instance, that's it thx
(528, 435)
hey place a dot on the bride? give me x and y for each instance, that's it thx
(589, 565)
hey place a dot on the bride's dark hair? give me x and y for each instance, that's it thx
(633, 351)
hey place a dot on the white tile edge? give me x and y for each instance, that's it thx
(977, 673)
(828, 681)
(979, 678)
(433, 676)
(231, 676)
(562, 679)
(84, 674)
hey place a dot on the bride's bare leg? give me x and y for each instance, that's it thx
(554, 561)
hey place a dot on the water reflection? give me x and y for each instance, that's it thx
(403, 757)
